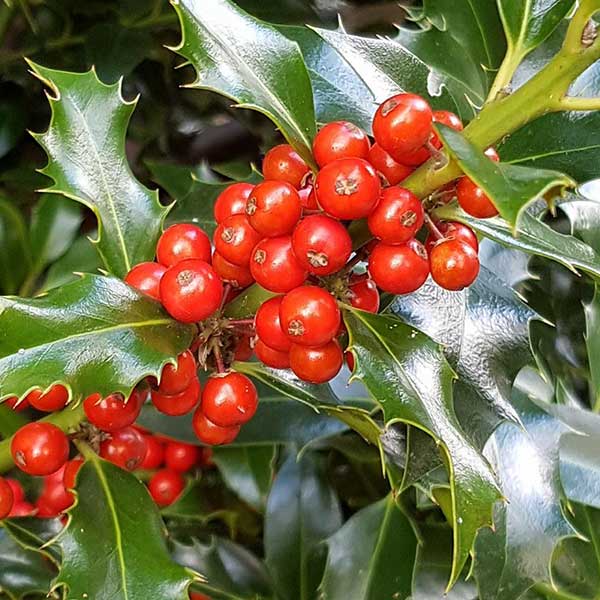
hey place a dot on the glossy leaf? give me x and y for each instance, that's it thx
(250, 62)
(14, 241)
(247, 303)
(34, 534)
(371, 556)
(94, 335)
(85, 143)
(511, 188)
(407, 373)
(128, 558)
(195, 505)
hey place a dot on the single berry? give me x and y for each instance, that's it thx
(70, 473)
(283, 163)
(211, 434)
(340, 139)
(268, 325)
(399, 269)
(402, 124)
(146, 277)
(349, 357)
(316, 365)
(273, 208)
(55, 497)
(235, 239)
(155, 453)
(456, 231)
(191, 291)
(473, 200)
(274, 265)
(321, 244)
(492, 154)
(182, 242)
(176, 378)
(17, 489)
(126, 448)
(166, 486)
(276, 359)
(113, 413)
(364, 294)
(394, 172)
(235, 275)
(22, 509)
(229, 399)
(397, 217)
(181, 457)
(7, 498)
(348, 188)
(39, 448)
(177, 404)
(454, 264)
(13, 403)
(308, 198)
(54, 399)
(232, 201)
(309, 316)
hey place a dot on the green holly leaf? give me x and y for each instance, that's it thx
(407, 373)
(250, 62)
(13, 121)
(34, 534)
(96, 334)
(372, 556)
(528, 527)
(14, 241)
(92, 118)
(128, 558)
(511, 188)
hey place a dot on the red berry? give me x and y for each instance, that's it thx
(243, 350)
(321, 244)
(397, 217)
(309, 316)
(7, 499)
(399, 269)
(473, 200)
(445, 117)
(340, 139)
(283, 163)
(456, 231)
(155, 453)
(273, 208)
(191, 291)
(54, 399)
(22, 509)
(417, 158)
(113, 413)
(274, 265)
(229, 399)
(268, 325)
(126, 448)
(166, 486)
(209, 433)
(492, 154)
(232, 201)
(39, 448)
(308, 198)
(235, 275)
(176, 378)
(181, 457)
(316, 365)
(235, 239)
(13, 402)
(146, 277)
(55, 496)
(394, 172)
(70, 473)
(364, 295)
(275, 359)
(177, 404)
(349, 360)
(348, 188)
(454, 264)
(17, 489)
(198, 596)
(402, 124)
(183, 241)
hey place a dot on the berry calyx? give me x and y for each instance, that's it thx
(146, 277)
(283, 163)
(394, 172)
(235, 239)
(340, 139)
(166, 486)
(271, 357)
(235, 275)
(155, 453)
(454, 264)
(113, 413)
(211, 434)
(181, 457)
(274, 265)
(229, 399)
(54, 399)
(316, 365)
(176, 378)
(177, 404)
(7, 499)
(309, 316)
(268, 326)
(39, 448)
(232, 201)
(473, 200)
(191, 291)
(273, 208)
(364, 294)
(453, 230)
(182, 242)
(126, 448)
(397, 217)
(321, 244)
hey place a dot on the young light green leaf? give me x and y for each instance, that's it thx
(14, 242)
(250, 62)
(85, 143)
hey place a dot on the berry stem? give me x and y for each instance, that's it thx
(239, 322)
(433, 228)
(226, 290)
(218, 359)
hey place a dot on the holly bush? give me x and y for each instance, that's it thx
(174, 429)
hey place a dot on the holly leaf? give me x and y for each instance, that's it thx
(250, 62)
(128, 557)
(371, 556)
(34, 534)
(85, 143)
(517, 554)
(14, 241)
(96, 334)
(408, 375)
(510, 188)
